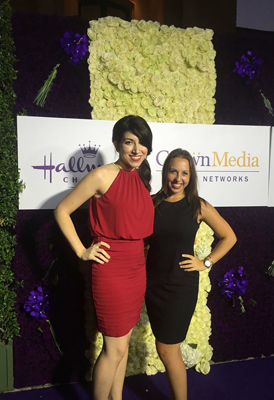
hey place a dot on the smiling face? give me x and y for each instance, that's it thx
(178, 177)
(131, 152)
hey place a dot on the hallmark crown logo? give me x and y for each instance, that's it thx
(89, 152)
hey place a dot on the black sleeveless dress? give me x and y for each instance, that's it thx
(172, 293)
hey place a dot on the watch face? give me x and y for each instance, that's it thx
(207, 263)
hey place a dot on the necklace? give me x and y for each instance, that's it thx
(117, 166)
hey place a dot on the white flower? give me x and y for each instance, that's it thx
(96, 27)
(165, 29)
(125, 24)
(114, 77)
(152, 112)
(142, 25)
(107, 94)
(110, 21)
(161, 113)
(121, 86)
(190, 355)
(203, 65)
(145, 103)
(159, 100)
(203, 367)
(107, 57)
(127, 84)
(134, 88)
(110, 103)
(91, 34)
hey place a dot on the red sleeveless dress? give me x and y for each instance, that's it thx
(122, 217)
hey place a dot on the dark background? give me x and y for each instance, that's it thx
(234, 335)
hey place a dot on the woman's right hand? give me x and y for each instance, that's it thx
(96, 253)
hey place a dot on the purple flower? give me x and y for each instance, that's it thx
(66, 41)
(37, 304)
(249, 66)
(74, 45)
(233, 283)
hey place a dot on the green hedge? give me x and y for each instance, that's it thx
(9, 176)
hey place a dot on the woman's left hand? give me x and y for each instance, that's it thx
(193, 264)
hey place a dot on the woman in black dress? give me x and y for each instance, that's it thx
(172, 268)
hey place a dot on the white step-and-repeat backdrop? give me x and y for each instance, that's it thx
(233, 162)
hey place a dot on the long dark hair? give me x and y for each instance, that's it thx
(140, 128)
(191, 191)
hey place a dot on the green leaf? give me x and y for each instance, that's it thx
(41, 97)
(267, 104)
(193, 345)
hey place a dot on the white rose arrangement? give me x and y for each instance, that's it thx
(162, 73)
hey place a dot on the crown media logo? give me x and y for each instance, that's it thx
(74, 165)
(220, 167)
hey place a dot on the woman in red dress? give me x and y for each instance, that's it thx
(121, 216)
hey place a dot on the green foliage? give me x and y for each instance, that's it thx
(42, 95)
(10, 185)
(267, 104)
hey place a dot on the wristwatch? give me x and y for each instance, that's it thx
(208, 262)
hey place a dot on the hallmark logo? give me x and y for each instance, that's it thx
(89, 152)
(74, 165)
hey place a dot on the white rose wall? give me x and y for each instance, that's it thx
(164, 74)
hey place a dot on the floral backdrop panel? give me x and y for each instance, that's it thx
(162, 73)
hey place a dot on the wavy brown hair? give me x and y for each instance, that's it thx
(191, 191)
(140, 128)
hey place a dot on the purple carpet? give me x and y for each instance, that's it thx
(249, 379)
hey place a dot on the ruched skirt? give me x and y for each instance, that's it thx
(118, 287)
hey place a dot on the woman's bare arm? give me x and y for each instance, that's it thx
(222, 230)
(93, 184)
